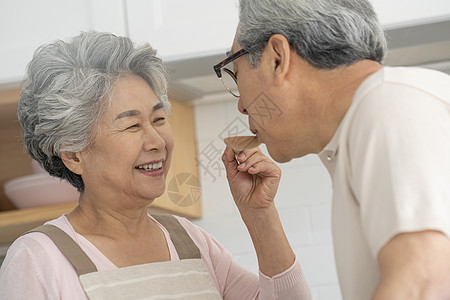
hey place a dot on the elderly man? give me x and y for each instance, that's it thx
(383, 134)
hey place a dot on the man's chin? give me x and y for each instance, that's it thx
(278, 157)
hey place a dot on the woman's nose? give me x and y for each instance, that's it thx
(241, 108)
(153, 140)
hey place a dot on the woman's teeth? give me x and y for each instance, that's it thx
(150, 167)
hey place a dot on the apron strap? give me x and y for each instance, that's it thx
(186, 248)
(183, 243)
(81, 262)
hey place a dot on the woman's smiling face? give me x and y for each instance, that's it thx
(132, 152)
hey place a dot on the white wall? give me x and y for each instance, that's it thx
(303, 201)
(398, 13)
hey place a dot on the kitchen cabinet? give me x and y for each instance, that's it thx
(13, 160)
(109, 16)
(179, 29)
(175, 28)
(26, 24)
(183, 193)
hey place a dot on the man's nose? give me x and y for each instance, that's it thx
(241, 108)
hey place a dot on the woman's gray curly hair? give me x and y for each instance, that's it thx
(67, 90)
(326, 33)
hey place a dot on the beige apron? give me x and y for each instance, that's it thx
(187, 278)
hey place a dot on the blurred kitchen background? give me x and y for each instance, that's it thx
(191, 36)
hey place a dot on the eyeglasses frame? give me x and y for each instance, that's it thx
(221, 66)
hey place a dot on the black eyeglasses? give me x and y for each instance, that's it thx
(229, 82)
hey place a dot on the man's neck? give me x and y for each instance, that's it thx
(341, 85)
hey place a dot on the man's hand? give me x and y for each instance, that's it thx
(253, 178)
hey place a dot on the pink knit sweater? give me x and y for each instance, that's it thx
(35, 269)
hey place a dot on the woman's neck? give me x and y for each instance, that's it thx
(96, 216)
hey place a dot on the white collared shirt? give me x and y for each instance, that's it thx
(389, 162)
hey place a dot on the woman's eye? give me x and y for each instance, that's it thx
(133, 126)
(159, 120)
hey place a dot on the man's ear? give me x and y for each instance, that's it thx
(278, 51)
(72, 161)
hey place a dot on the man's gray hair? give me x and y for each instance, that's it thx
(326, 33)
(67, 90)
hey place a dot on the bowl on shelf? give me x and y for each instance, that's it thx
(36, 168)
(39, 189)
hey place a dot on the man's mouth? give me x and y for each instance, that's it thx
(150, 167)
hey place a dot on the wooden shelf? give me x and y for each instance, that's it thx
(14, 223)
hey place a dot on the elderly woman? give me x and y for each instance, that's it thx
(94, 112)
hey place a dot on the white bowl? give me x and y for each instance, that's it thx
(39, 190)
(36, 168)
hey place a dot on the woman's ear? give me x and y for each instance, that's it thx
(278, 51)
(72, 161)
